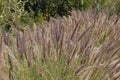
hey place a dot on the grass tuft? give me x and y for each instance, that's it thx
(84, 46)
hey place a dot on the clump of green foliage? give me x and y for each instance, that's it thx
(12, 14)
(54, 8)
(49, 8)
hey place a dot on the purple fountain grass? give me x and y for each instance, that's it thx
(20, 39)
(89, 43)
(0, 44)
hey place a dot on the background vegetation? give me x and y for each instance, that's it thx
(30, 11)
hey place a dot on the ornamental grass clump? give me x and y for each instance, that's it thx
(83, 46)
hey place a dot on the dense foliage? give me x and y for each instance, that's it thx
(48, 7)
(13, 12)
(62, 7)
